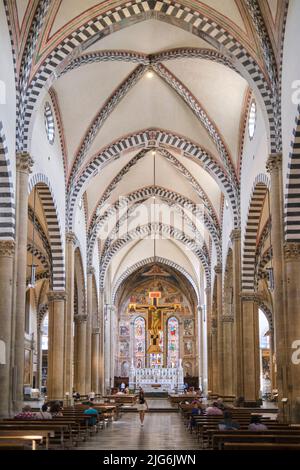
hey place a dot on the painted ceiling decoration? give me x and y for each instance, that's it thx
(118, 88)
(146, 262)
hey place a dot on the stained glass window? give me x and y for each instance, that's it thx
(139, 342)
(156, 360)
(252, 120)
(45, 333)
(49, 123)
(173, 342)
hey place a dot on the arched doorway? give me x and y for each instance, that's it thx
(265, 355)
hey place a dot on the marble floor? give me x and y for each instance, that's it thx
(161, 431)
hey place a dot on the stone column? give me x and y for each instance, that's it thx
(7, 249)
(200, 346)
(80, 359)
(101, 345)
(274, 167)
(107, 347)
(292, 263)
(69, 315)
(209, 338)
(39, 355)
(96, 360)
(220, 379)
(214, 354)
(229, 357)
(113, 335)
(23, 165)
(55, 381)
(238, 373)
(88, 366)
(250, 348)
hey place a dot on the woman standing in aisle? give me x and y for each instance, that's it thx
(142, 406)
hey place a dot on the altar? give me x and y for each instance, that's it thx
(161, 379)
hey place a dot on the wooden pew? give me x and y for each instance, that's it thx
(260, 446)
(286, 436)
(19, 434)
(60, 429)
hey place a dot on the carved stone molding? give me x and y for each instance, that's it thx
(235, 235)
(24, 162)
(57, 296)
(96, 331)
(90, 270)
(292, 251)
(7, 248)
(218, 269)
(247, 297)
(251, 297)
(227, 318)
(71, 238)
(80, 318)
(274, 162)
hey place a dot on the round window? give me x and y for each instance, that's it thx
(252, 120)
(49, 123)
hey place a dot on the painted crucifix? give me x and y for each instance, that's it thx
(154, 318)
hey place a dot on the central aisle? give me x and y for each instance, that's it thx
(160, 431)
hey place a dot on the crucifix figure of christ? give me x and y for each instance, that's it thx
(154, 318)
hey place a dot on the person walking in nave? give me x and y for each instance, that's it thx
(142, 407)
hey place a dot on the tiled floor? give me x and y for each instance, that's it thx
(161, 431)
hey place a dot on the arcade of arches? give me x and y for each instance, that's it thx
(149, 146)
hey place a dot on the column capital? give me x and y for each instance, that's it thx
(227, 318)
(235, 234)
(90, 270)
(57, 295)
(7, 248)
(71, 238)
(214, 323)
(80, 318)
(248, 296)
(218, 268)
(207, 290)
(274, 162)
(24, 162)
(292, 251)
(96, 331)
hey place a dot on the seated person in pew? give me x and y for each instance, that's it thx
(44, 413)
(76, 395)
(195, 411)
(93, 415)
(198, 402)
(220, 404)
(214, 410)
(227, 424)
(91, 396)
(256, 424)
(239, 402)
(55, 409)
(26, 413)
